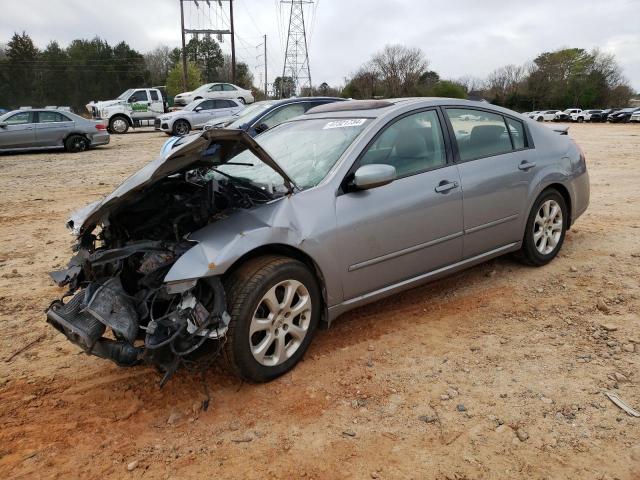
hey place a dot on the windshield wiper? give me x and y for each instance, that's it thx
(244, 182)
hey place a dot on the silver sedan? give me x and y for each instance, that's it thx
(196, 115)
(255, 242)
(35, 129)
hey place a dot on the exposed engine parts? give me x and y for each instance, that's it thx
(121, 308)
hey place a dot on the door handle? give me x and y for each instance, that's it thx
(524, 165)
(444, 186)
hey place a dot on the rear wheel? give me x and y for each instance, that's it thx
(241, 100)
(580, 119)
(76, 143)
(546, 228)
(118, 125)
(274, 303)
(181, 128)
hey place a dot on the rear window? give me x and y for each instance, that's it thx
(51, 117)
(154, 95)
(483, 137)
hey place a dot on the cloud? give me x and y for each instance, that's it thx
(465, 37)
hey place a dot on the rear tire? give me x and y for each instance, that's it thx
(118, 125)
(275, 305)
(241, 100)
(580, 119)
(546, 228)
(76, 143)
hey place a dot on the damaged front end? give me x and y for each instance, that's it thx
(121, 306)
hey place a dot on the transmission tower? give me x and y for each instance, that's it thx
(296, 56)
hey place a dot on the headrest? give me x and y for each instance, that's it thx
(410, 143)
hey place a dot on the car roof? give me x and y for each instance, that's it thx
(380, 108)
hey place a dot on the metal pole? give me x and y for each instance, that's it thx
(184, 48)
(266, 95)
(233, 44)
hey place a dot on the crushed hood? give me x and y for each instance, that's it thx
(189, 154)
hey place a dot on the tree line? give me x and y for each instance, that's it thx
(88, 70)
(569, 77)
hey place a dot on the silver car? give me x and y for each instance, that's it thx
(35, 129)
(196, 115)
(250, 248)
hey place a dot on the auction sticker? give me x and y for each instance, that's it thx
(353, 122)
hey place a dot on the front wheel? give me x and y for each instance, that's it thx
(546, 228)
(118, 125)
(181, 128)
(540, 119)
(275, 304)
(580, 119)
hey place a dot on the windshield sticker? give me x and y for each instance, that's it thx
(356, 122)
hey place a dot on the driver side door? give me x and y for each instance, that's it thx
(139, 104)
(411, 226)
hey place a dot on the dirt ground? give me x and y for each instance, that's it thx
(495, 373)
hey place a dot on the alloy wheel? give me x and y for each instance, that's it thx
(181, 127)
(547, 228)
(280, 323)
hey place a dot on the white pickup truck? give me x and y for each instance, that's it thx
(137, 107)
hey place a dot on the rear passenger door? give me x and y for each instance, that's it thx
(18, 131)
(52, 128)
(496, 164)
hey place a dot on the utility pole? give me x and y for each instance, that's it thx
(296, 56)
(206, 31)
(184, 48)
(266, 95)
(233, 44)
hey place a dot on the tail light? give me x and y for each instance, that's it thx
(582, 155)
(100, 126)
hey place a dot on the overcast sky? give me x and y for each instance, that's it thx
(462, 37)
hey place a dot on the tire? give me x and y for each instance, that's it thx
(580, 119)
(540, 119)
(118, 124)
(241, 100)
(536, 248)
(76, 143)
(181, 128)
(254, 357)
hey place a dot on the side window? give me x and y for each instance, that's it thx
(216, 88)
(282, 114)
(412, 144)
(139, 96)
(485, 135)
(229, 88)
(516, 130)
(154, 95)
(50, 117)
(19, 119)
(208, 105)
(224, 104)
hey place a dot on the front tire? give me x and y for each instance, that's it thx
(76, 143)
(118, 125)
(580, 119)
(546, 228)
(540, 119)
(275, 304)
(181, 128)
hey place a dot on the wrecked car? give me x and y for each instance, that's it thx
(248, 250)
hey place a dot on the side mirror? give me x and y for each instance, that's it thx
(197, 109)
(263, 127)
(3, 124)
(374, 175)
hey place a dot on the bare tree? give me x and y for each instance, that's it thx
(159, 62)
(470, 83)
(399, 68)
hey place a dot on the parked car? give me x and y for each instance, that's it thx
(260, 116)
(602, 116)
(196, 115)
(135, 107)
(533, 114)
(252, 248)
(545, 115)
(622, 116)
(635, 117)
(584, 115)
(3, 110)
(565, 115)
(215, 90)
(35, 129)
